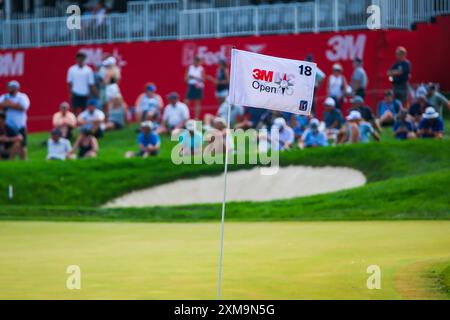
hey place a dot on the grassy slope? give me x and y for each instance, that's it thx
(406, 181)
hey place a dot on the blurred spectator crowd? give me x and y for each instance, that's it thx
(96, 106)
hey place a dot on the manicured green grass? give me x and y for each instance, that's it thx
(406, 181)
(308, 260)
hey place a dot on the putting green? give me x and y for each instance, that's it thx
(293, 260)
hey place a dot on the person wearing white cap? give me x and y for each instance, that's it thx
(15, 104)
(431, 125)
(111, 77)
(313, 137)
(81, 82)
(286, 135)
(333, 118)
(337, 84)
(191, 139)
(148, 141)
(359, 130)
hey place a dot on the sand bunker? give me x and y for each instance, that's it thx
(243, 185)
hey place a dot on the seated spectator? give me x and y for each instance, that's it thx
(175, 115)
(191, 139)
(92, 118)
(366, 112)
(216, 137)
(388, 108)
(435, 98)
(65, 120)
(358, 130)
(418, 108)
(299, 124)
(58, 148)
(86, 144)
(148, 141)
(313, 137)
(333, 119)
(10, 140)
(286, 135)
(403, 128)
(431, 125)
(117, 114)
(237, 112)
(149, 104)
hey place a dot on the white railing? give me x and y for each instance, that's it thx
(168, 20)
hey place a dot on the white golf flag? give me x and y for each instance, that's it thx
(268, 82)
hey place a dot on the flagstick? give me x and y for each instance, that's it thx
(222, 225)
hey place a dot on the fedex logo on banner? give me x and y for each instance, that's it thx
(95, 56)
(209, 57)
(12, 65)
(283, 82)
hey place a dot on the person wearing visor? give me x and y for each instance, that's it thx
(149, 104)
(15, 105)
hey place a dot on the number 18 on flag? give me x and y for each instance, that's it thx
(268, 82)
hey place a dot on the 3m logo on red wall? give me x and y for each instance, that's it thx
(12, 64)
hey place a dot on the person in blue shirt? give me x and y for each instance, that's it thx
(148, 141)
(403, 128)
(431, 125)
(388, 108)
(313, 137)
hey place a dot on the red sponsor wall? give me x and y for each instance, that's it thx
(42, 71)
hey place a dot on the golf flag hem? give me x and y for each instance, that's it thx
(267, 82)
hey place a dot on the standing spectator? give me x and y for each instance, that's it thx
(333, 119)
(403, 128)
(92, 118)
(418, 108)
(111, 78)
(16, 104)
(337, 85)
(191, 139)
(399, 74)
(58, 148)
(388, 108)
(286, 135)
(365, 111)
(359, 79)
(435, 98)
(313, 137)
(149, 104)
(175, 114)
(117, 114)
(222, 79)
(431, 125)
(65, 120)
(10, 140)
(195, 78)
(148, 141)
(86, 144)
(80, 80)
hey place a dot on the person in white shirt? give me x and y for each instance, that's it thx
(337, 85)
(58, 148)
(16, 104)
(175, 114)
(92, 118)
(195, 78)
(80, 81)
(286, 134)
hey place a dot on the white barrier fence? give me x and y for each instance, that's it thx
(166, 20)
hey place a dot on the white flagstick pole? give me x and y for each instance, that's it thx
(222, 225)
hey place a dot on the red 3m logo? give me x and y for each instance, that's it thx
(263, 75)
